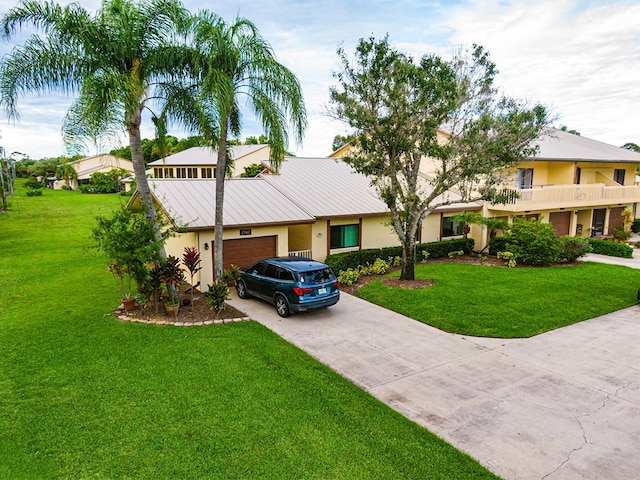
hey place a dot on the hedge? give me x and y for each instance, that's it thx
(498, 244)
(342, 261)
(613, 249)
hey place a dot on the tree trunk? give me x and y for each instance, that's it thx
(408, 258)
(137, 157)
(221, 167)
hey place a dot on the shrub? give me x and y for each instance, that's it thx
(573, 248)
(36, 192)
(379, 267)
(533, 242)
(635, 226)
(456, 254)
(216, 295)
(619, 233)
(508, 257)
(498, 244)
(348, 277)
(231, 275)
(342, 261)
(33, 184)
(613, 249)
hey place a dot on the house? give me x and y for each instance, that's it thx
(312, 207)
(87, 166)
(318, 206)
(200, 162)
(579, 185)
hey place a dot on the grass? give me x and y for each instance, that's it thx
(509, 302)
(82, 395)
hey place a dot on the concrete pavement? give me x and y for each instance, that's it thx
(561, 405)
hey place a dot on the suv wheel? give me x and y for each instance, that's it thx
(241, 288)
(282, 306)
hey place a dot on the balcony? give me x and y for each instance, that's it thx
(546, 197)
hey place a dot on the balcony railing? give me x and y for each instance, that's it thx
(541, 197)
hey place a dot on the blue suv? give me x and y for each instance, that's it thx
(292, 284)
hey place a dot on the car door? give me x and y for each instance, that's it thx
(253, 278)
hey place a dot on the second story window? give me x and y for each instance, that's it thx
(157, 172)
(206, 172)
(181, 172)
(192, 173)
(168, 173)
(524, 178)
(618, 175)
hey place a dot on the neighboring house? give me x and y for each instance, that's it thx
(85, 167)
(579, 185)
(313, 207)
(200, 162)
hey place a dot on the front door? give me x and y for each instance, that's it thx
(597, 225)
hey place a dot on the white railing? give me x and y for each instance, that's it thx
(301, 253)
(571, 196)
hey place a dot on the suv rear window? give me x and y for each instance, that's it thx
(317, 276)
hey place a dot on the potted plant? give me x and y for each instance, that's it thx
(172, 305)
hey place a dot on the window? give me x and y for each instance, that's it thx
(344, 236)
(192, 173)
(451, 228)
(181, 172)
(168, 173)
(618, 175)
(524, 178)
(206, 172)
(157, 172)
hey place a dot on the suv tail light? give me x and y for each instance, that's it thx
(302, 291)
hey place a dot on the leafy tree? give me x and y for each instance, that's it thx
(396, 107)
(120, 61)
(634, 147)
(252, 170)
(238, 62)
(564, 128)
(340, 141)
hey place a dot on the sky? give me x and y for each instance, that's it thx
(580, 58)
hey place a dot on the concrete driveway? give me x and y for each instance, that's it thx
(562, 405)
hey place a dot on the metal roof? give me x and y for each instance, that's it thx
(207, 155)
(248, 201)
(326, 187)
(563, 146)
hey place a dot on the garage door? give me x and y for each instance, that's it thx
(243, 252)
(560, 221)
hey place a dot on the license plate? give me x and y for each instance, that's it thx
(322, 291)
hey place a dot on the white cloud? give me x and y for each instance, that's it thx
(580, 57)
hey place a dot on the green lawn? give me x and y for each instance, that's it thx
(82, 395)
(509, 302)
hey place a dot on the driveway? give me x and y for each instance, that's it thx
(561, 405)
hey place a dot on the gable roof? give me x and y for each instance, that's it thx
(207, 155)
(248, 202)
(563, 146)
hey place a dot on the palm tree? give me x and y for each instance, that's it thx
(119, 61)
(236, 61)
(67, 172)
(467, 219)
(493, 225)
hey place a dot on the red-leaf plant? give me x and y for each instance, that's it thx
(191, 261)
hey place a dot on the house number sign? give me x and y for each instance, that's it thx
(245, 231)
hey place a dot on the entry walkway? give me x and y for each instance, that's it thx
(561, 405)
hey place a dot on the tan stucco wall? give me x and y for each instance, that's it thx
(259, 156)
(431, 228)
(300, 237)
(378, 233)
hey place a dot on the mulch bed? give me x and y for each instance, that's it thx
(201, 314)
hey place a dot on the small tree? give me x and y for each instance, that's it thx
(397, 108)
(172, 275)
(191, 261)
